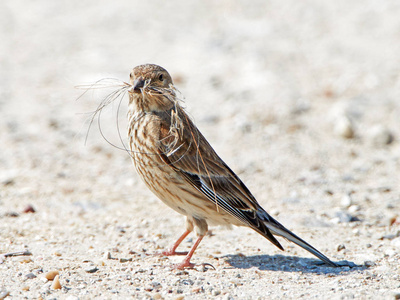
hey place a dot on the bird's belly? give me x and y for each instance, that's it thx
(179, 195)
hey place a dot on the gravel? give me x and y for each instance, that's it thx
(301, 99)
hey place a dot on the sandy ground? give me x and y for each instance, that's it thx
(300, 98)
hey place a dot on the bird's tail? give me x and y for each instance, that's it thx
(278, 229)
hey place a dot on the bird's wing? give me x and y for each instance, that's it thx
(189, 153)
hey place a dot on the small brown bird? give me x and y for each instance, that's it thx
(182, 169)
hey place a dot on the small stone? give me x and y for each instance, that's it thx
(340, 247)
(396, 295)
(56, 283)
(51, 274)
(57, 253)
(156, 285)
(11, 214)
(29, 209)
(4, 293)
(123, 260)
(344, 128)
(91, 269)
(26, 288)
(44, 279)
(394, 220)
(381, 136)
(180, 297)
(215, 292)
(354, 208)
(346, 200)
(369, 263)
(389, 236)
(107, 255)
(345, 217)
(395, 242)
(24, 259)
(196, 290)
(157, 296)
(30, 276)
(8, 178)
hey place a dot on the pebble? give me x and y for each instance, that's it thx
(51, 274)
(346, 201)
(196, 290)
(381, 136)
(29, 209)
(354, 208)
(12, 214)
(344, 128)
(8, 178)
(107, 255)
(395, 242)
(3, 294)
(30, 276)
(156, 285)
(56, 283)
(157, 296)
(44, 279)
(123, 260)
(389, 236)
(340, 247)
(24, 259)
(101, 263)
(344, 217)
(369, 263)
(91, 269)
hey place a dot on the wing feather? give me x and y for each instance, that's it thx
(201, 167)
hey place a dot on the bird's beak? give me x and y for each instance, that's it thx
(138, 84)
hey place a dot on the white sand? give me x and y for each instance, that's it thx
(273, 86)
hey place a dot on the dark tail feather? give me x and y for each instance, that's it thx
(276, 228)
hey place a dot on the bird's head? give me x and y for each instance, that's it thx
(151, 88)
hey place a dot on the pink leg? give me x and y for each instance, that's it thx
(186, 262)
(171, 251)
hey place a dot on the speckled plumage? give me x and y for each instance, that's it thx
(182, 169)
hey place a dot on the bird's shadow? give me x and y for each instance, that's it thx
(290, 264)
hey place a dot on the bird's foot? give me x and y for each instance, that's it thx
(188, 265)
(183, 265)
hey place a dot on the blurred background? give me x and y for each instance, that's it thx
(300, 98)
(266, 83)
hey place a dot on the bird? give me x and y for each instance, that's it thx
(181, 168)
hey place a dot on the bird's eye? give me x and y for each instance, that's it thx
(161, 77)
